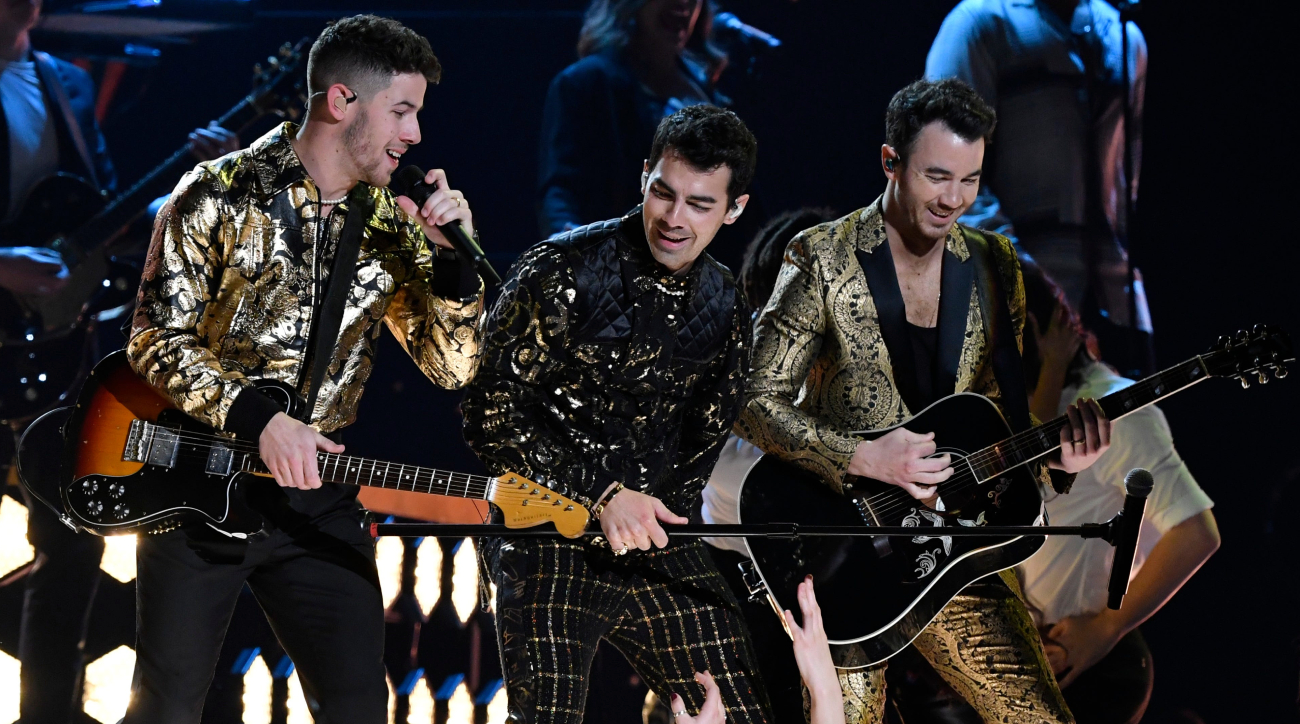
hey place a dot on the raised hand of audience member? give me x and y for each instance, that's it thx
(813, 655)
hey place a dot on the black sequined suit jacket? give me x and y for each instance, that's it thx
(599, 366)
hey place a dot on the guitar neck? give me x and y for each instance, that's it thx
(349, 470)
(105, 225)
(1036, 442)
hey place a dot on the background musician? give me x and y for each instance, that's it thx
(1100, 656)
(40, 94)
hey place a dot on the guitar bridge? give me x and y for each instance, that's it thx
(136, 450)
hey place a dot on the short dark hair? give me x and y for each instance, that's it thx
(765, 254)
(708, 137)
(949, 101)
(366, 51)
(1043, 299)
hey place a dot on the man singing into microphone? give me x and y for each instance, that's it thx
(612, 369)
(242, 258)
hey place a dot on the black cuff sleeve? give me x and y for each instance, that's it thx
(249, 414)
(453, 276)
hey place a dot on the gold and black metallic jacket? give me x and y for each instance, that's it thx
(599, 366)
(237, 269)
(820, 368)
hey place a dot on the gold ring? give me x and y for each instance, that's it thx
(623, 551)
(458, 204)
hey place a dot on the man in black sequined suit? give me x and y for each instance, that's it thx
(612, 370)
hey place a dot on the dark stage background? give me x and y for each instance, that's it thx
(1217, 243)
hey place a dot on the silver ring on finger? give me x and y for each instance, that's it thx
(679, 713)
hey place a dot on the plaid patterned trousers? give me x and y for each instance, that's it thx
(668, 611)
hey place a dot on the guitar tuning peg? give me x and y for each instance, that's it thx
(1280, 372)
(1223, 342)
(1263, 377)
(1245, 383)
(257, 70)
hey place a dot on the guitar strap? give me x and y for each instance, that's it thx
(1008, 366)
(325, 329)
(54, 87)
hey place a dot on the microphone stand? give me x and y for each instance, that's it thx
(1105, 531)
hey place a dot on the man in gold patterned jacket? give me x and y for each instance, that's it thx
(868, 325)
(241, 261)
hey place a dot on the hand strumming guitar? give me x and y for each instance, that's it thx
(631, 520)
(32, 270)
(288, 447)
(902, 457)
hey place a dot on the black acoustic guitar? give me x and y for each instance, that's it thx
(880, 592)
(43, 338)
(129, 461)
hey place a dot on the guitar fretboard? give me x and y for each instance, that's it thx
(350, 470)
(1031, 444)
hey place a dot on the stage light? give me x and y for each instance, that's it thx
(428, 574)
(464, 580)
(15, 551)
(118, 560)
(392, 701)
(421, 703)
(9, 682)
(108, 685)
(388, 559)
(460, 708)
(497, 709)
(257, 693)
(298, 711)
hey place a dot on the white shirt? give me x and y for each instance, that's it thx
(722, 495)
(1069, 576)
(33, 140)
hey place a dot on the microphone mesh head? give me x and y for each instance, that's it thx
(1139, 483)
(408, 177)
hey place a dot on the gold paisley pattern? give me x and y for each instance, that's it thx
(820, 366)
(234, 272)
(821, 371)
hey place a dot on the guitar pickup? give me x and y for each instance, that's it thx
(164, 445)
(219, 460)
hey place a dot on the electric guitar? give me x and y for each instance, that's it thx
(880, 592)
(133, 462)
(44, 338)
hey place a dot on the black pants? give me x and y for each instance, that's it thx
(668, 611)
(56, 610)
(773, 650)
(319, 589)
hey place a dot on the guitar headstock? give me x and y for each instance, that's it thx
(1262, 352)
(280, 87)
(525, 504)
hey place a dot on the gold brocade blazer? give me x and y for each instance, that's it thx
(235, 275)
(820, 369)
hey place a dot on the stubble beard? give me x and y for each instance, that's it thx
(357, 146)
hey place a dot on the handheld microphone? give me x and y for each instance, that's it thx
(1137, 486)
(730, 22)
(409, 182)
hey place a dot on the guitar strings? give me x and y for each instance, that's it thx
(470, 482)
(897, 499)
